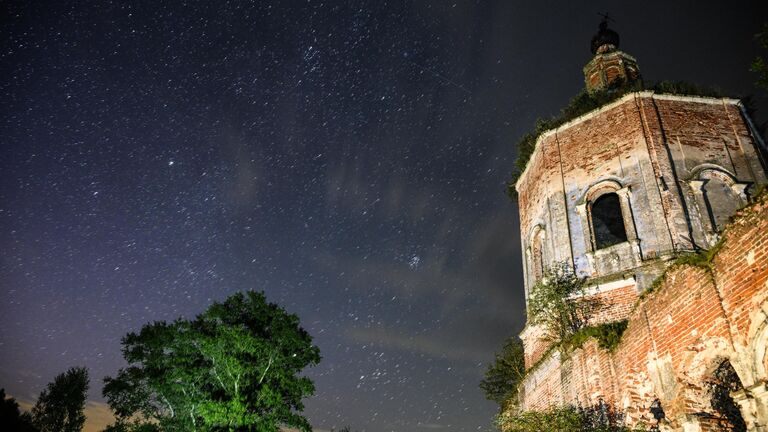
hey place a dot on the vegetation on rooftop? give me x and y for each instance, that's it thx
(760, 65)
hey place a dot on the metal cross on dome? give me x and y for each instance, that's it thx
(606, 17)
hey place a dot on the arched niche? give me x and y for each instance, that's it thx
(718, 195)
(536, 256)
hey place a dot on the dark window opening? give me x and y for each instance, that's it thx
(607, 221)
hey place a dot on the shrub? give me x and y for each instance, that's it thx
(560, 305)
(602, 417)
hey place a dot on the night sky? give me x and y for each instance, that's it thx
(347, 158)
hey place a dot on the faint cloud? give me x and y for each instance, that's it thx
(345, 186)
(24, 404)
(430, 425)
(97, 414)
(432, 345)
(248, 172)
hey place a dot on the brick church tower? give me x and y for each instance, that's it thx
(617, 193)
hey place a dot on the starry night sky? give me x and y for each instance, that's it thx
(347, 158)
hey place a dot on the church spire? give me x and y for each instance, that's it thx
(610, 67)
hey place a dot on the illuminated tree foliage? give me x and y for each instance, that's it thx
(558, 303)
(233, 368)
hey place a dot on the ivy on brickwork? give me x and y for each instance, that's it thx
(585, 102)
(702, 259)
(608, 336)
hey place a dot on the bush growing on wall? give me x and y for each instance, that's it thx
(558, 303)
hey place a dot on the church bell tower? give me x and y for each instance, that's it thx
(619, 192)
(610, 67)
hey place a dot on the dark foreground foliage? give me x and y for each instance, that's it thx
(61, 406)
(11, 417)
(505, 373)
(601, 417)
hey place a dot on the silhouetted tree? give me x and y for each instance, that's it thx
(11, 417)
(60, 407)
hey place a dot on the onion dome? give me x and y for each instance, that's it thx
(604, 37)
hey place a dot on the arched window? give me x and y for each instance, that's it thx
(607, 221)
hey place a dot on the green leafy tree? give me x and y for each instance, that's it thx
(759, 65)
(235, 367)
(558, 303)
(505, 373)
(11, 417)
(60, 407)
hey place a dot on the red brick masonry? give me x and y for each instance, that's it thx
(677, 335)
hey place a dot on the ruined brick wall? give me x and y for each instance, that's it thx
(680, 165)
(615, 305)
(677, 336)
(617, 301)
